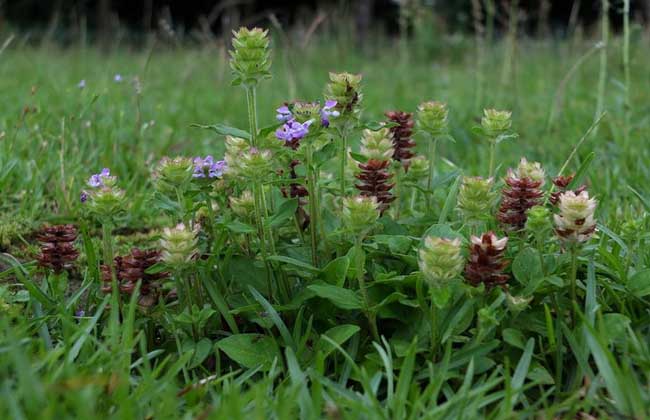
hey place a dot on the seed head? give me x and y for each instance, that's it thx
(440, 260)
(58, 252)
(172, 174)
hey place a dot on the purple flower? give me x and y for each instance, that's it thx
(81, 84)
(80, 313)
(208, 168)
(327, 112)
(83, 197)
(293, 130)
(117, 78)
(284, 113)
(97, 180)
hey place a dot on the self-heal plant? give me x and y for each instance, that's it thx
(574, 225)
(432, 120)
(521, 193)
(208, 168)
(495, 127)
(475, 199)
(440, 261)
(374, 176)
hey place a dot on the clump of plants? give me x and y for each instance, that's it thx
(296, 257)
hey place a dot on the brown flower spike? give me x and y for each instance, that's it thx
(131, 268)
(522, 192)
(58, 252)
(375, 177)
(402, 141)
(486, 262)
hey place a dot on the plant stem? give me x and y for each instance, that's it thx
(432, 155)
(572, 279)
(313, 224)
(343, 163)
(493, 152)
(372, 320)
(626, 68)
(261, 234)
(251, 101)
(434, 329)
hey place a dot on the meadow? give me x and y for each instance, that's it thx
(265, 303)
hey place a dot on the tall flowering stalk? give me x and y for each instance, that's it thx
(432, 119)
(206, 172)
(575, 224)
(344, 89)
(375, 176)
(521, 193)
(440, 262)
(359, 214)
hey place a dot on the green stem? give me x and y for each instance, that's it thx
(573, 281)
(251, 101)
(493, 152)
(261, 235)
(434, 329)
(313, 211)
(343, 163)
(432, 155)
(372, 319)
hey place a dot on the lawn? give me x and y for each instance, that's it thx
(369, 300)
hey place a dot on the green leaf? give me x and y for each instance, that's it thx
(522, 370)
(225, 130)
(582, 170)
(450, 201)
(284, 213)
(442, 230)
(527, 266)
(201, 352)
(639, 283)
(514, 337)
(397, 244)
(343, 298)
(339, 334)
(294, 262)
(265, 131)
(273, 314)
(358, 157)
(325, 154)
(336, 271)
(250, 350)
(239, 227)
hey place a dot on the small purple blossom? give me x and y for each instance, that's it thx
(81, 84)
(80, 313)
(327, 112)
(83, 197)
(208, 168)
(97, 180)
(117, 78)
(284, 113)
(293, 130)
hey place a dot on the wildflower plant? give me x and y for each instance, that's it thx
(495, 127)
(432, 120)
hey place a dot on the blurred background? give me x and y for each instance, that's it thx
(71, 21)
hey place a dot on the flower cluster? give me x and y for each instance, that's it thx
(344, 90)
(475, 198)
(562, 183)
(522, 192)
(486, 262)
(58, 252)
(401, 135)
(432, 118)
(104, 199)
(496, 123)
(360, 213)
(575, 222)
(374, 176)
(292, 131)
(440, 260)
(208, 168)
(250, 59)
(179, 246)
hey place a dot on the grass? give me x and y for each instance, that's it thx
(309, 356)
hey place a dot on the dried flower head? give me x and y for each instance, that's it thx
(486, 262)
(345, 90)
(440, 259)
(179, 246)
(58, 252)
(401, 135)
(250, 58)
(575, 222)
(360, 213)
(476, 198)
